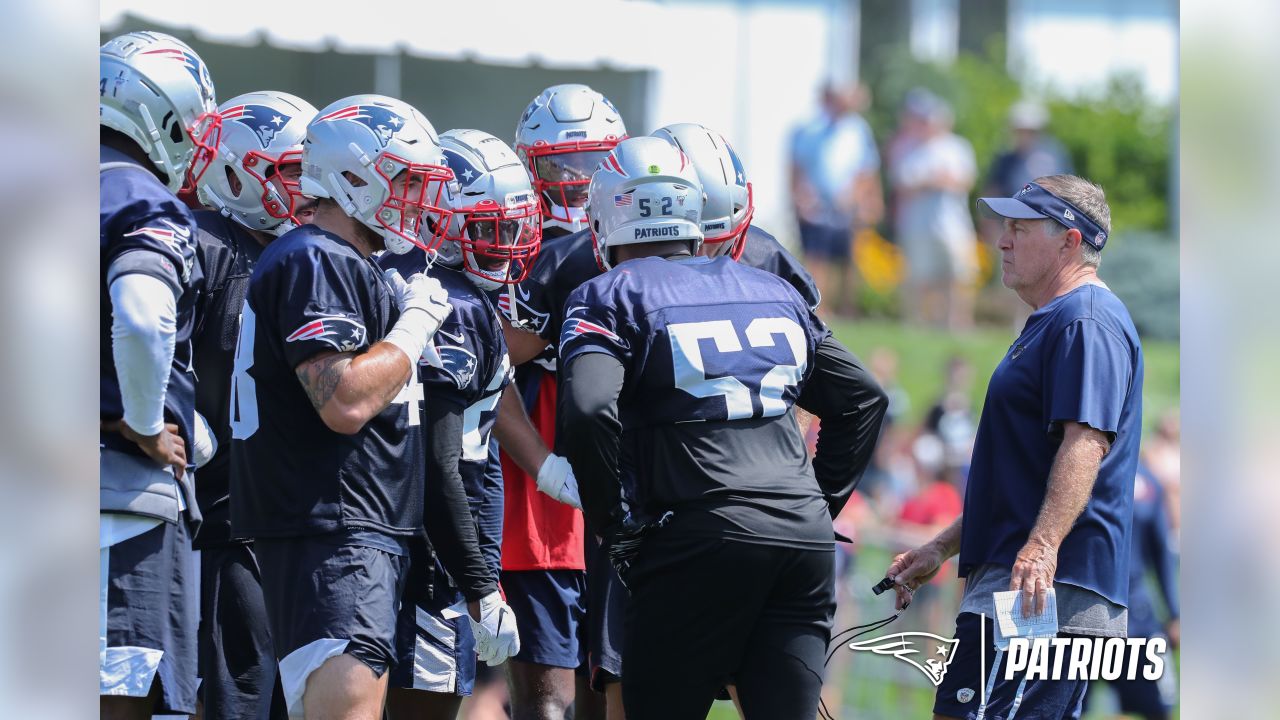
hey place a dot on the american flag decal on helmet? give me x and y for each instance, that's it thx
(344, 334)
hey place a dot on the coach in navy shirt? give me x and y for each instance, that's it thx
(1050, 496)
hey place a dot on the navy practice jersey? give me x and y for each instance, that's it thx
(472, 367)
(1152, 550)
(312, 293)
(567, 261)
(144, 228)
(226, 252)
(715, 354)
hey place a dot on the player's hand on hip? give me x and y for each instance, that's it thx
(494, 625)
(555, 478)
(165, 447)
(1033, 573)
(912, 569)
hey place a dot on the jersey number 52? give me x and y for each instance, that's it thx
(690, 371)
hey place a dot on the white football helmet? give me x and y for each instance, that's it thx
(377, 140)
(157, 92)
(261, 131)
(561, 137)
(730, 206)
(644, 191)
(496, 229)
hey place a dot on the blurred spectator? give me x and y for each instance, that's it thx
(1163, 455)
(951, 417)
(1034, 153)
(913, 120)
(934, 224)
(835, 188)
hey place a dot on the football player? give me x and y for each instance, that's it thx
(327, 475)
(679, 377)
(561, 137)
(492, 236)
(568, 261)
(254, 191)
(158, 126)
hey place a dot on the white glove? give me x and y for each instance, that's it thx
(556, 479)
(496, 636)
(415, 329)
(205, 444)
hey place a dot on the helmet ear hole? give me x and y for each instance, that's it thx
(175, 132)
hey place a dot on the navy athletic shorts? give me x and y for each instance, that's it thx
(238, 672)
(332, 594)
(150, 602)
(549, 607)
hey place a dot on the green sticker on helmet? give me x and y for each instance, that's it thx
(655, 170)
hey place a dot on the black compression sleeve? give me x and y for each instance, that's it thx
(589, 391)
(446, 512)
(851, 406)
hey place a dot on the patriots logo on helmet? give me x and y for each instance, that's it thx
(905, 646)
(739, 174)
(458, 363)
(265, 122)
(199, 71)
(344, 334)
(462, 168)
(381, 121)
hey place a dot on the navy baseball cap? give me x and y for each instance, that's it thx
(1033, 202)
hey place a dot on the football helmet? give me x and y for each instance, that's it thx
(157, 92)
(561, 137)
(261, 131)
(644, 191)
(380, 160)
(496, 228)
(729, 208)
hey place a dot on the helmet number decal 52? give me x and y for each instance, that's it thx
(647, 211)
(690, 369)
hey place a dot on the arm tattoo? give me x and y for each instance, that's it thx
(320, 377)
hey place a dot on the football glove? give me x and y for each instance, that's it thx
(414, 330)
(496, 635)
(555, 478)
(625, 540)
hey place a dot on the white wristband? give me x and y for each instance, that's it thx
(412, 332)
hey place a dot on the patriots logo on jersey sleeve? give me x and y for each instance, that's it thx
(381, 121)
(262, 120)
(580, 326)
(170, 233)
(199, 71)
(344, 334)
(525, 317)
(457, 363)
